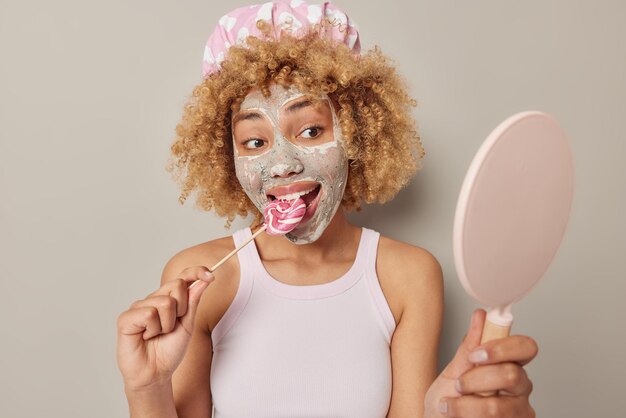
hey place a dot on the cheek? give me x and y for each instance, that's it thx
(337, 162)
(249, 174)
(330, 163)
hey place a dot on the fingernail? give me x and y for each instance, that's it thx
(478, 356)
(443, 407)
(208, 274)
(457, 385)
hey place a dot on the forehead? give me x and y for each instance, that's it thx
(279, 97)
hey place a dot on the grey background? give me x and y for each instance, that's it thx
(91, 93)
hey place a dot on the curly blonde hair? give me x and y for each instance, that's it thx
(374, 112)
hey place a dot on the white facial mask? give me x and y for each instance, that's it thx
(288, 163)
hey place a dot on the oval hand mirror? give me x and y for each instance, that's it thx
(512, 212)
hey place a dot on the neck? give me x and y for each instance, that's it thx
(336, 238)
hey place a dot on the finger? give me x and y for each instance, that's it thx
(509, 378)
(202, 275)
(460, 362)
(140, 321)
(489, 407)
(170, 285)
(516, 348)
(195, 293)
(166, 307)
(196, 273)
(188, 275)
(179, 292)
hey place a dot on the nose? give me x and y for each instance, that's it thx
(284, 160)
(286, 169)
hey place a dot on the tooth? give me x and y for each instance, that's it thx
(293, 196)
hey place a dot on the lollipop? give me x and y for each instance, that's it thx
(281, 217)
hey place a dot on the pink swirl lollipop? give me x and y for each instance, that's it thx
(282, 216)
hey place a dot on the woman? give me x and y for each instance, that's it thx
(334, 320)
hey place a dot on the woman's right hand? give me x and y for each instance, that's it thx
(153, 334)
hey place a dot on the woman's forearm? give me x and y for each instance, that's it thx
(155, 402)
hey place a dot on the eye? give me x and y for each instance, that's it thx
(253, 143)
(312, 132)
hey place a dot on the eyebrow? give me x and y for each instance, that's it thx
(249, 115)
(297, 106)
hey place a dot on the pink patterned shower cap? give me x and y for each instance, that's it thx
(293, 17)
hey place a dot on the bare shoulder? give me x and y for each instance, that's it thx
(219, 295)
(408, 275)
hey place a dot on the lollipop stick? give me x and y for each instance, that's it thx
(233, 252)
(493, 331)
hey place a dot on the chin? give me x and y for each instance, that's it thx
(311, 231)
(301, 239)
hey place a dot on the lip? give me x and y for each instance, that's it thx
(292, 188)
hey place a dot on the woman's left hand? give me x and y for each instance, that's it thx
(493, 366)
